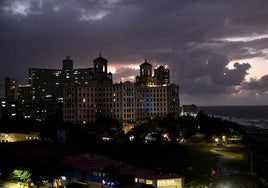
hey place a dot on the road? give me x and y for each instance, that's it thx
(233, 176)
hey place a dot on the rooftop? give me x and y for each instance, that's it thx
(96, 162)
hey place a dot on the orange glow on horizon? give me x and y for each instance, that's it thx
(258, 67)
(115, 68)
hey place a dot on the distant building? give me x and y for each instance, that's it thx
(157, 100)
(189, 110)
(8, 108)
(47, 86)
(50, 82)
(162, 76)
(1, 98)
(146, 76)
(100, 71)
(9, 102)
(84, 104)
(90, 169)
(10, 89)
(1, 91)
(18, 137)
(25, 100)
(86, 94)
(46, 106)
(128, 102)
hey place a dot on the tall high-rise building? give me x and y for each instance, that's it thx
(10, 89)
(67, 71)
(25, 100)
(47, 84)
(86, 94)
(50, 82)
(1, 91)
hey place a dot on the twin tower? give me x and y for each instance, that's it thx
(100, 74)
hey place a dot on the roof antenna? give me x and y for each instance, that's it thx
(145, 56)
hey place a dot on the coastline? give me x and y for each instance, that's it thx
(253, 120)
(256, 141)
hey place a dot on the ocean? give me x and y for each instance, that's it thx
(253, 119)
(248, 116)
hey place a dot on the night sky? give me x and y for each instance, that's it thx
(216, 50)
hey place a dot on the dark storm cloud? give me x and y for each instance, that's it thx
(188, 36)
(259, 85)
(216, 67)
(207, 76)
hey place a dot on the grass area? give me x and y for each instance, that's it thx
(193, 160)
(202, 156)
(200, 161)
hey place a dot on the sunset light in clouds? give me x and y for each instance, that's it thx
(258, 70)
(215, 50)
(246, 38)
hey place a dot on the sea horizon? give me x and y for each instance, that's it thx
(245, 115)
(233, 105)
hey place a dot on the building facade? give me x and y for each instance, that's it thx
(50, 82)
(10, 89)
(86, 94)
(8, 105)
(25, 100)
(47, 86)
(1, 91)
(128, 102)
(89, 169)
(162, 75)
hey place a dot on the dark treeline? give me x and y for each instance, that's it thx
(19, 124)
(185, 126)
(160, 155)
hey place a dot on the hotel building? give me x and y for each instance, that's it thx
(86, 94)
(149, 97)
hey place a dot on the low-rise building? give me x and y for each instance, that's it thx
(91, 169)
(18, 137)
